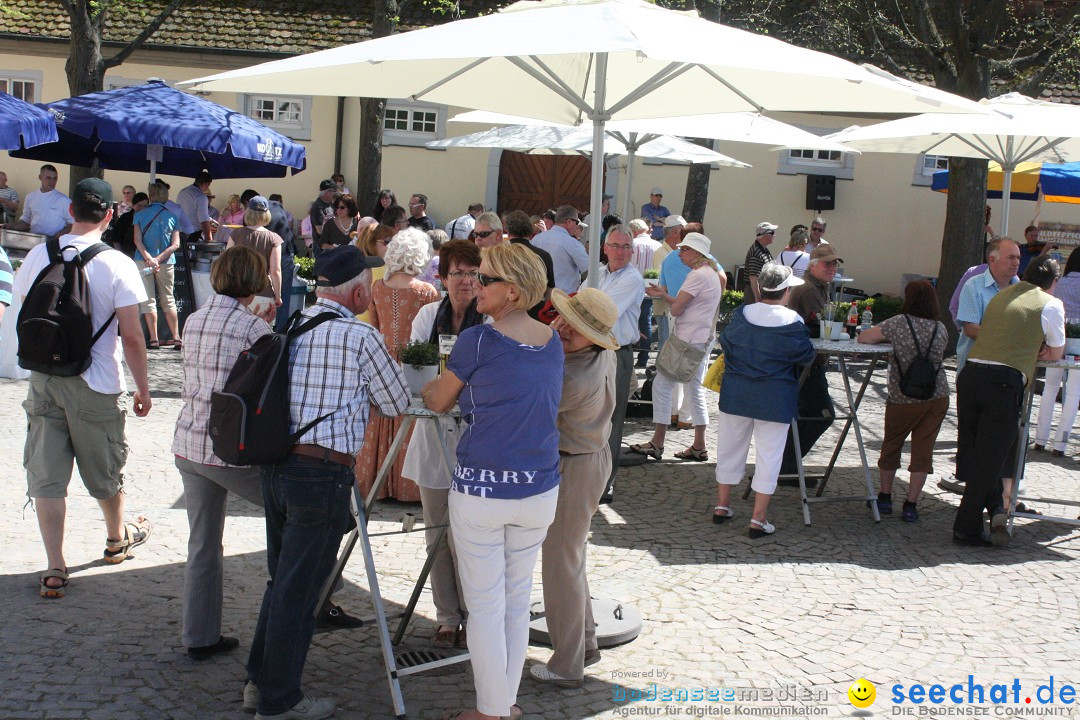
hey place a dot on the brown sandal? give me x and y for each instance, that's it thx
(48, 591)
(135, 534)
(692, 453)
(648, 450)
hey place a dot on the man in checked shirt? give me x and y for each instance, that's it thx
(340, 367)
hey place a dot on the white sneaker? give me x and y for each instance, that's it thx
(309, 708)
(542, 674)
(251, 698)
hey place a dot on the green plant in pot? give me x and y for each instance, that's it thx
(420, 364)
(651, 276)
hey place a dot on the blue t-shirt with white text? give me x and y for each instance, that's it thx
(509, 446)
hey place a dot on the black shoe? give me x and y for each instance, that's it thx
(205, 652)
(980, 540)
(811, 482)
(335, 617)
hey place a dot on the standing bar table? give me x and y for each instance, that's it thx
(1021, 456)
(361, 509)
(842, 350)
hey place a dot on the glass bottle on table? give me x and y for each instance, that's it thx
(446, 345)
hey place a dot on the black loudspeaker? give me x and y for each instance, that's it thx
(820, 192)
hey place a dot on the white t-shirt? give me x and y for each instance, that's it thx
(114, 283)
(47, 213)
(797, 260)
(460, 228)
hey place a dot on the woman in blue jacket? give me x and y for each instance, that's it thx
(763, 348)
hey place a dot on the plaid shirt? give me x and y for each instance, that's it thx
(339, 368)
(214, 337)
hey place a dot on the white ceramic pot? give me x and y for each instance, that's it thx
(417, 377)
(652, 282)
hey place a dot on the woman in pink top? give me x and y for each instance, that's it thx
(695, 310)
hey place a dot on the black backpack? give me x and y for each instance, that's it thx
(249, 417)
(920, 379)
(55, 328)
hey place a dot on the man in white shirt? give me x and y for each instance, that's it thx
(817, 234)
(47, 210)
(192, 200)
(460, 228)
(568, 255)
(622, 282)
(58, 406)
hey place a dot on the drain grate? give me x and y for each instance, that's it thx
(412, 658)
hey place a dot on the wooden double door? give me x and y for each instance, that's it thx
(534, 183)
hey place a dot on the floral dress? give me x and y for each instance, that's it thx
(392, 311)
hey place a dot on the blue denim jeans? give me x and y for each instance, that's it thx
(307, 512)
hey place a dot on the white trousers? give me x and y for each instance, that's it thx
(497, 542)
(1069, 406)
(733, 434)
(663, 391)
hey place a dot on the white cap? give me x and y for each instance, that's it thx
(674, 221)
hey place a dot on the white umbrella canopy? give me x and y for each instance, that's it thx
(601, 60)
(560, 139)
(1018, 129)
(749, 127)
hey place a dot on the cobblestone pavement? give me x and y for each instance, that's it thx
(811, 607)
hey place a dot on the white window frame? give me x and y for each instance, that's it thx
(414, 138)
(924, 176)
(842, 168)
(36, 77)
(300, 130)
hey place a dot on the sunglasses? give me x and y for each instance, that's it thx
(817, 229)
(486, 280)
(341, 207)
(482, 233)
(574, 220)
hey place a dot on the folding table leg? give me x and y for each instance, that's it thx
(1022, 430)
(852, 408)
(799, 467)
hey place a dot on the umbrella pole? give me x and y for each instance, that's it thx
(597, 167)
(153, 171)
(1006, 193)
(631, 151)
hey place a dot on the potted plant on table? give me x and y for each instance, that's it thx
(729, 302)
(420, 364)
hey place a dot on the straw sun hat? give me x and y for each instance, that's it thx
(591, 313)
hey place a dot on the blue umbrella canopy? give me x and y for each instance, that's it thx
(156, 128)
(1058, 182)
(23, 124)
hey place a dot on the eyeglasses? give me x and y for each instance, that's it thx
(482, 233)
(464, 274)
(618, 247)
(817, 229)
(574, 220)
(341, 207)
(486, 280)
(412, 205)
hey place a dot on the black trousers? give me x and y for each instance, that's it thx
(624, 368)
(816, 414)
(989, 399)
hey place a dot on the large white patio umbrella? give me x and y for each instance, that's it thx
(561, 139)
(1017, 130)
(748, 127)
(595, 60)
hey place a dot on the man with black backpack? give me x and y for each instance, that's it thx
(76, 293)
(337, 370)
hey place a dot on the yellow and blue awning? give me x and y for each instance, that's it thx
(1058, 182)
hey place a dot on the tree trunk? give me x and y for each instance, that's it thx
(697, 187)
(85, 67)
(369, 174)
(369, 161)
(962, 238)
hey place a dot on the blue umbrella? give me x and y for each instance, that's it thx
(23, 124)
(157, 129)
(1058, 182)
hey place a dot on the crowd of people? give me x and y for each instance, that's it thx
(533, 330)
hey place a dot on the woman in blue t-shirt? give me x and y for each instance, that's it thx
(507, 378)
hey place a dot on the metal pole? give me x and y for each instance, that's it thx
(598, 118)
(1007, 168)
(631, 150)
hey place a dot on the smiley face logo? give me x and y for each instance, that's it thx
(862, 693)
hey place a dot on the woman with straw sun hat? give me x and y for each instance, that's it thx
(588, 399)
